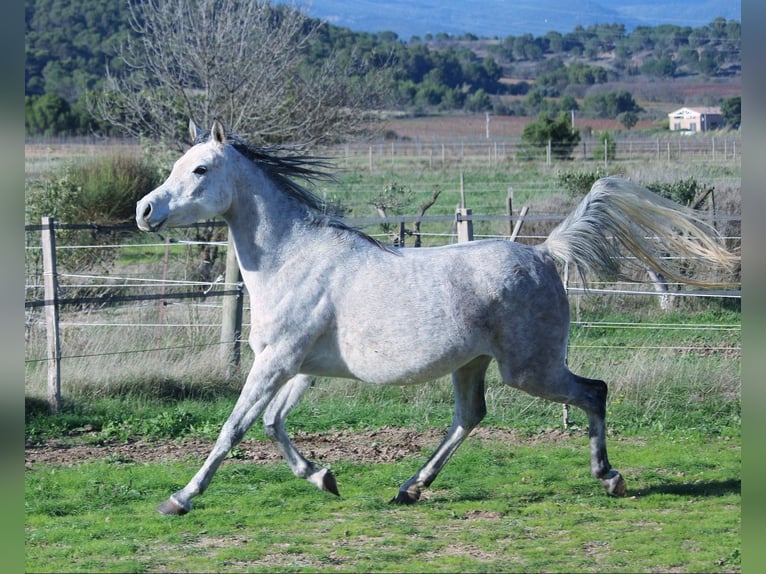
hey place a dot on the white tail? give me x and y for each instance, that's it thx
(618, 217)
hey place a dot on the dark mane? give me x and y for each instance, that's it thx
(283, 166)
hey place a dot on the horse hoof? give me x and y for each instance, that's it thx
(614, 484)
(325, 480)
(408, 496)
(171, 507)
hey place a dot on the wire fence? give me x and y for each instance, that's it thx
(724, 148)
(121, 296)
(148, 285)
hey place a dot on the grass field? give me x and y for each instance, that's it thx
(530, 506)
(516, 497)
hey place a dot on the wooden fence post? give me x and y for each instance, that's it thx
(50, 290)
(161, 302)
(519, 223)
(509, 209)
(464, 224)
(565, 406)
(231, 322)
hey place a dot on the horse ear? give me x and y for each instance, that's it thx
(219, 134)
(194, 130)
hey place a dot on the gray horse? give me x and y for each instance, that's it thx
(329, 301)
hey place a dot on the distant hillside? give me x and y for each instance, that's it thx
(501, 18)
(69, 46)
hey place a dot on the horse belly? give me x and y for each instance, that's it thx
(409, 344)
(396, 366)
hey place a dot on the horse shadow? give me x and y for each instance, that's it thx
(694, 489)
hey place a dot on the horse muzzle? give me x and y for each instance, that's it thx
(149, 216)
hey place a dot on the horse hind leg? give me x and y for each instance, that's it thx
(274, 424)
(470, 408)
(590, 396)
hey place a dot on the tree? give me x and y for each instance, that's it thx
(731, 109)
(238, 61)
(48, 114)
(664, 67)
(628, 119)
(479, 101)
(611, 104)
(556, 130)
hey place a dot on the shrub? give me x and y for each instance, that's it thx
(683, 191)
(101, 191)
(556, 130)
(606, 147)
(579, 183)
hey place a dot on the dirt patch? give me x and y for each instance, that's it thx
(448, 128)
(387, 444)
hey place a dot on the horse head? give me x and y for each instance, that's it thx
(196, 188)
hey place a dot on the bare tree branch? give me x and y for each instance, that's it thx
(421, 212)
(239, 61)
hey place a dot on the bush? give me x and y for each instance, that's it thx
(579, 183)
(606, 147)
(683, 191)
(558, 131)
(101, 191)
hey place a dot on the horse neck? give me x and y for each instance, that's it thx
(263, 223)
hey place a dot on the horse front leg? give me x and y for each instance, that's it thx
(470, 408)
(262, 384)
(274, 424)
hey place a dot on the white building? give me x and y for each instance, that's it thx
(696, 119)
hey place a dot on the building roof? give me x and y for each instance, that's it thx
(703, 110)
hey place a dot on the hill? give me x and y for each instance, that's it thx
(501, 18)
(69, 46)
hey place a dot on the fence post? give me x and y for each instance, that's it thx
(509, 209)
(565, 406)
(519, 223)
(50, 290)
(161, 302)
(231, 322)
(464, 226)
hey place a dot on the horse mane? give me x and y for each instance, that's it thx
(283, 166)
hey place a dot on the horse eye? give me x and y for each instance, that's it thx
(201, 170)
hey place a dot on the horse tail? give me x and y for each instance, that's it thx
(619, 217)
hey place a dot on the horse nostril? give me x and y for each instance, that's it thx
(147, 210)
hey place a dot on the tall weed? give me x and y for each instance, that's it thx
(102, 190)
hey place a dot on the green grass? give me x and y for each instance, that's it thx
(495, 507)
(674, 432)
